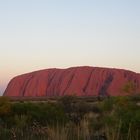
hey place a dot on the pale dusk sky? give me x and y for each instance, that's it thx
(41, 34)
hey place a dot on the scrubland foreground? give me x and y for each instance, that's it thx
(111, 118)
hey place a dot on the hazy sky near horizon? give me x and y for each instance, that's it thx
(40, 34)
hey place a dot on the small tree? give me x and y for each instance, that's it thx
(68, 103)
(5, 106)
(129, 87)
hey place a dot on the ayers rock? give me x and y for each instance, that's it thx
(81, 81)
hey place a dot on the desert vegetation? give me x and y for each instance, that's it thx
(68, 118)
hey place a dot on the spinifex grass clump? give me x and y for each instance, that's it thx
(70, 118)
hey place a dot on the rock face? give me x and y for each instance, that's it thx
(81, 81)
